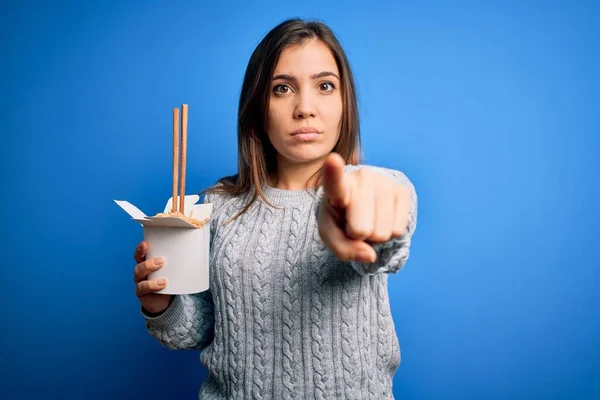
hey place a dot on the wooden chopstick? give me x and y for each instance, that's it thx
(182, 165)
(175, 157)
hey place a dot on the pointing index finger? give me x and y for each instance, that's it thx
(335, 183)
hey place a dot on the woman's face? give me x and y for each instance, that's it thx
(305, 106)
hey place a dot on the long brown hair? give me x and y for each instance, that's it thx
(257, 158)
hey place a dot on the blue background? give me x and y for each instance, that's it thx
(491, 108)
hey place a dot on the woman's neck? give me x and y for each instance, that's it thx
(296, 176)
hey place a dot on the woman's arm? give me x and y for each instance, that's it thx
(188, 323)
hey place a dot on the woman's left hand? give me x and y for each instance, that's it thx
(360, 208)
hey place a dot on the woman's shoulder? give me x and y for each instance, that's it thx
(395, 174)
(222, 192)
(217, 194)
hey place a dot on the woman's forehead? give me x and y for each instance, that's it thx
(306, 59)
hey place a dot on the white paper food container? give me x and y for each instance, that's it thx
(184, 247)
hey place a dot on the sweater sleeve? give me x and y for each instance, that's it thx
(393, 254)
(188, 323)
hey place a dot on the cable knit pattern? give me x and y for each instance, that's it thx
(383, 334)
(283, 318)
(219, 351)
(348, 309)
(263, 321)
(290, 308)
(194, 317)
(368, 370)
(233, 295)
(319, 257)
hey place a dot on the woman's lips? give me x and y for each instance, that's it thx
(306, 134)
(306, 137)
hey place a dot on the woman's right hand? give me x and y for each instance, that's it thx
(153, 303)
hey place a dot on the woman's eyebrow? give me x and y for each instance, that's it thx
(291, 78)
(324, 74)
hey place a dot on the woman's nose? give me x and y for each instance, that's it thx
(305, 107)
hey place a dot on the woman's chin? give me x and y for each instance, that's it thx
(306, 156)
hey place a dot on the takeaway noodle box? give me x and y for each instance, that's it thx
(184, 247)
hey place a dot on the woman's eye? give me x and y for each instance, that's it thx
(282, 89)
(327, 86)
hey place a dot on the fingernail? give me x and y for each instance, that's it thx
(364, 256)
(161, 282)
(158, 261)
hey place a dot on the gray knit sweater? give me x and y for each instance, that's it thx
(283, 318)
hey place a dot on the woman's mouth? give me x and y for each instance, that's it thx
(306, 134)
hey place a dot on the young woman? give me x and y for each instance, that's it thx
(298, 305)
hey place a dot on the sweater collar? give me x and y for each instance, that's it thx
(283, 197)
